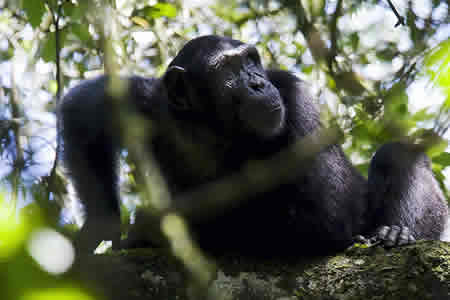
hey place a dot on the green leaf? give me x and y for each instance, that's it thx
(440, 54)
(307, 69)
(166, 9)
(422, 115)
(13, 230)
(442, 159)
(82, 32)
(387, 54)
(80, 10)
(437, 148)
(363, 168)
(157, 11)
(52, 86)
(48, 48)
(59, 293)
(68, 8)
(300, 47)
(140, 21)
(396, 101)
(34, 10)
(354, 39)
(438, 65)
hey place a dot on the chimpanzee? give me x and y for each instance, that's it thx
(217, 112)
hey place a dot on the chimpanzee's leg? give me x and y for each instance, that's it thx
(405, 199)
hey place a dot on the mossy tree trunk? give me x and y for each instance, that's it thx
(420, 271)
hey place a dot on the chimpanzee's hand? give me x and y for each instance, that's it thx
(388, 236)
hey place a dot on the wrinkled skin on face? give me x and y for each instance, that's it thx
(229, 79)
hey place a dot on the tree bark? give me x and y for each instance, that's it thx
(419, 271)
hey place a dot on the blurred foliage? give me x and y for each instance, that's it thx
(25, 274)
(375, 81)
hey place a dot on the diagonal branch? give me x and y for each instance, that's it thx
(401, 20)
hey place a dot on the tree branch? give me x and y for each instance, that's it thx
(401, 20)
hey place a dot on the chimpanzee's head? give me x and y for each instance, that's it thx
(221, 79)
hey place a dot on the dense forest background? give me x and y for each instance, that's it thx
(379, 69)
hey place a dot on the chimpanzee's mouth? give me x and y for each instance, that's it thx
(262, 117)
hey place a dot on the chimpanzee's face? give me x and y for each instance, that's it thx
(225, 78)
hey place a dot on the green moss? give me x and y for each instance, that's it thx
(420, 271)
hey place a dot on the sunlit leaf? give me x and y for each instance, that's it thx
(166, 9)
(422, 115)
(13, 230)
(438, 65)
(307, 69)
(437, 148)
(68, 293)
(141, 22)
(158, 10)
(446, 104)
(443, 159)
(53, 86)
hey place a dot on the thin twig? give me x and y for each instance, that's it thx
(401, 20)
(56, 15)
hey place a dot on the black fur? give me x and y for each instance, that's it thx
(213, 112)
(403, 191)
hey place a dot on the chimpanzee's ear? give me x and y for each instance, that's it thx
(176, 84)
